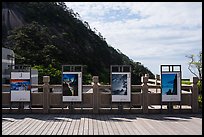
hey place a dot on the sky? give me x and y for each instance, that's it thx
(153, 33)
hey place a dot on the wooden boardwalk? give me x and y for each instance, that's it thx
(88, 124)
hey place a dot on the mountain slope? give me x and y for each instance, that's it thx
(47, 35)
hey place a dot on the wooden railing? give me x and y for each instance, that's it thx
(143, 100)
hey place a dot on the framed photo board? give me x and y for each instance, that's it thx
(171, 86)
(120, 86)
(72, 86)
(20, 83)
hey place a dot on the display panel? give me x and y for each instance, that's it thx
(20, 85)
(72, 86)
(171, 86)
(120, 86)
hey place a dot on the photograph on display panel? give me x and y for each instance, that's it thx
(170, 86)
(70, 84)
(120, 86)
(20, 84)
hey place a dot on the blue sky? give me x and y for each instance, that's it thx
(153, 33)
(69, 77)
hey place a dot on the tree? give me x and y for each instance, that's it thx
(54, 35)
(194, 66)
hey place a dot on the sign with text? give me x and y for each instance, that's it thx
(20, 84)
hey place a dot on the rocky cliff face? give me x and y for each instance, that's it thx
(10, 19)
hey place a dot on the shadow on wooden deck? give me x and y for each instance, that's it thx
(118, 118)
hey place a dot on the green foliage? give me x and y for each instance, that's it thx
(200, 87)
(54, 36)
(55, 74)
(86, 79)
(200, 101)
(186, 82)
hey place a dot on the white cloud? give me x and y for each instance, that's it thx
(159, 32)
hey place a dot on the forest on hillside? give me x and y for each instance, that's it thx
(52, 34)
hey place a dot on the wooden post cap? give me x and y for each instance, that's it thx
(46, 79)
(95, 79)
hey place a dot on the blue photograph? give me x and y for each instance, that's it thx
(119, 84)
(20, 84)
(70, 84)
(169, 84)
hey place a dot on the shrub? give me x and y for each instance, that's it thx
(200, 101)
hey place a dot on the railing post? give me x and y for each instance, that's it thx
(95, 94)
(195, 95)
(156, 80)
(46, 90)
(145, 99)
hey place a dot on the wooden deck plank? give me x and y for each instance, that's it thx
(58, 122)
(172, 124)
(13, 126)
(46, 126)
(95, 125)
(104, 126)
(167, 127)
(108, 125)
(30, 125)
(195, 128)
(81, 125)
(176, 129)
(187, 129)
(51, 126)
(6, 121)
(90, 121)
(71, 128)
(11, 120)
(86, 126)
(137, 125)
(41, 124)
(157, 127)
(119, 128)
(76, 125)
(22, 127)
(122, 124)
(63, 124)
(151, 126)
(112, 124)
(127, 124)
(5, 125)
(135, 130)
(90, 124)
(68, 124)
(99, 123)
(193, 125)
(40, 120)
